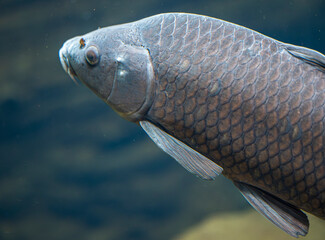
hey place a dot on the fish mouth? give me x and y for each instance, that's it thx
(67, 66)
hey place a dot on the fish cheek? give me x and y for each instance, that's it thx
(106, 80)
(99, 79)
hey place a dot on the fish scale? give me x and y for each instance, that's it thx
(218, 98)
(260, 118)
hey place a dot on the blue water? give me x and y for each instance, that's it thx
(70, 168)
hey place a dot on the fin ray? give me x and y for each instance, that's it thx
(308, 55)
(284, 215)
(190, 159)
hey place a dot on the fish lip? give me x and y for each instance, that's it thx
(67, 66)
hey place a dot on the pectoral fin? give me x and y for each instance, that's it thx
(282, 214)
(308, 55)
(190, 159)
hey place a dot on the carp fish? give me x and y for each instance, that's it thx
(218, 98)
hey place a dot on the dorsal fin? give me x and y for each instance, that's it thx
(308, 55)
(190, 159)
(282, 214)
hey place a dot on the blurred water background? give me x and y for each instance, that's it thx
(70, 168)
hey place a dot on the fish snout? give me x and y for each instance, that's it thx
(64, 55)
(63, 58)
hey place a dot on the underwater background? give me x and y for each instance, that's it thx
(71, 168)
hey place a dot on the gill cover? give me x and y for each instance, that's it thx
(132, 90)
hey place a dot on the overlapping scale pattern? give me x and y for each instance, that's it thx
(242, 100)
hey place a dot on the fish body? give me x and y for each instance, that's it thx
(218, 97)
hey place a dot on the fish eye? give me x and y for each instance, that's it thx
(92, 55)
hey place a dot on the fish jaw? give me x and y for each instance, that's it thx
(63, 56)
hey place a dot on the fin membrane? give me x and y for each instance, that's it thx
(190, 159)
(284, 215)
(308, 55)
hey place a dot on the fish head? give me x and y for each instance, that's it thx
(117, 69)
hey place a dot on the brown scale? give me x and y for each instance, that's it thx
(242, 100)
